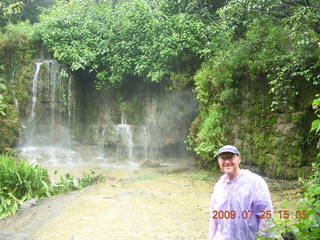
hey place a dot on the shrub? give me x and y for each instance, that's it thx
(21, 180)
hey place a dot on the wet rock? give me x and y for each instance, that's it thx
(30, 203)
(281, 185)
(288, 235)
(7, 236)
(150, 164)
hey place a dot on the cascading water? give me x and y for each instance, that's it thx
(126, 145)
(15, 100)
(50, 123)
(52, 106)
(101, 142)
(145, 142)
(54, 114)
(123, 119)
(130, 141)
(34, 92)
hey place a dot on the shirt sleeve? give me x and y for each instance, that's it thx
(212, 222)
(263, 207)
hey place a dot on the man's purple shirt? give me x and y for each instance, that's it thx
(247, 192)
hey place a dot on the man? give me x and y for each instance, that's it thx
(241, 202)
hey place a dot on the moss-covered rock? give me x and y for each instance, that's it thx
(16, 56)
(9, 128)
(276, 143)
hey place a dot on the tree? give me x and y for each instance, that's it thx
(132, 40)
(12, 11)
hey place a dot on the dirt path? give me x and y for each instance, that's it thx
(129, 205)
(135, 205)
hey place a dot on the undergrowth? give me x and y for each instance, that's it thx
(21, 180)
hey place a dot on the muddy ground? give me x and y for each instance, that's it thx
(141, 204)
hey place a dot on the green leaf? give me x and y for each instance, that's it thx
(315, 125)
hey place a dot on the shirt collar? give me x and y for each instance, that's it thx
(242, 172)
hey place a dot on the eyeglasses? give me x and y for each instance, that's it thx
(232, 157)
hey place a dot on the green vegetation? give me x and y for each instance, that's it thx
(203, 175)
(136, 39)
(14, 11)
(21, 181)
(247, 59)
(306, 224)
(145, 177)
(70, 183)
(309, 228)
(16, 69)
(252, 91)
(254, 66)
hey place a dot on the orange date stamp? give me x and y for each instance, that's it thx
(263, 214)
(286, 214)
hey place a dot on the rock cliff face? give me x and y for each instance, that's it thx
(277, 144)
(48, 105)
(16, 68)
(51, 108)
(137, 121)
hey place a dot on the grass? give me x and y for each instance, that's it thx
(145, 177)
(203, 175)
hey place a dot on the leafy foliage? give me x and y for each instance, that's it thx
(306, 225)
(133, 40)
(20, 181)
(13, 8)
(309, 228)
(203, 9)
(316, 123)
(211, 134)
(23, 28)
(13, 11)
(270, 45)
(70, 183)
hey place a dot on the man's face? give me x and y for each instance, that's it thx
(229, 163)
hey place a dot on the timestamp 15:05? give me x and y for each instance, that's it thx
(263, 214)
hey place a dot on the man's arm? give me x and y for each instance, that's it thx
(212, 222)
(263, 207)
(212, 228)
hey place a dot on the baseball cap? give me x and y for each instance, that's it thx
(229, 149)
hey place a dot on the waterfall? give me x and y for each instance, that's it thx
(107, 134)
(130, 141)
(145, 142)
(126, 129)
(123, 141)
(12, 76)
(15, 100)
(52, 106)
(123, 119)
(69, 103)
(124, 133)
(101, 142)
(35, 90)
(52, 69)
